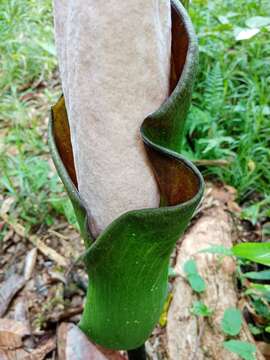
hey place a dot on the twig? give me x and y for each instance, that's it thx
(35, 240)
(60, 236)
(218, 162)
(65, 314)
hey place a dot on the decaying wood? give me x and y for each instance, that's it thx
(8, 290)
(21, 312)
(36, 241)
(190, 337)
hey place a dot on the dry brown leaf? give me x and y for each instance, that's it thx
(8, 235)
(18, 354)
(42, 350)
(6, 205)
(30, 262)
(37, 354)
(226, 196)
(8, 289)
(73, 344)
(21, 312)
(3, 134)
(11, 333)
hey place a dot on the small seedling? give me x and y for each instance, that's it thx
(195, 280)
(244, 349)
(232, 321)
(200, 309)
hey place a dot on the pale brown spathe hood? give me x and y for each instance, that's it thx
(114, 60)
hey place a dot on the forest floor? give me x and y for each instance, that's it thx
(42, 288)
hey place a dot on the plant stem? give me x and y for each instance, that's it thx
(137, 354)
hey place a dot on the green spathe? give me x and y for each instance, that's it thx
(128, 263)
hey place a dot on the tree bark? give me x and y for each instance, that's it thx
(190, 337)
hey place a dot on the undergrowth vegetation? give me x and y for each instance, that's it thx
(27, 88)
(228, 122)
(253, 286)
(230, 117)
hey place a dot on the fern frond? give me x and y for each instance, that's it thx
(214, 94)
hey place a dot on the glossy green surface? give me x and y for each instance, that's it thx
(128, 263)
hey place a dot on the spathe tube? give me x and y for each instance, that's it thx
(128, 263)
(102, 56)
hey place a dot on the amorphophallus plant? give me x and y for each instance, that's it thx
(103, 164)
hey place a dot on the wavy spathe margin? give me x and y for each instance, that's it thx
(128, 263)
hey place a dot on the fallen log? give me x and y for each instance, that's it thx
(190, 337)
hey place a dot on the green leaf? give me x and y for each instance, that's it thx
(245, 33)
(200, 309)
(267, 329)
(48, 47)
(69, 213)
(251, 213)
(190, 267)
(218, 249)
(261, 308)
(254, 329)
(244, 349)
(261, 288)
(64, 206)
(223, 19)
(258, 275)
(257, 252)
(195, 280)
(232, 321)
(258, 21)
(197, 283)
